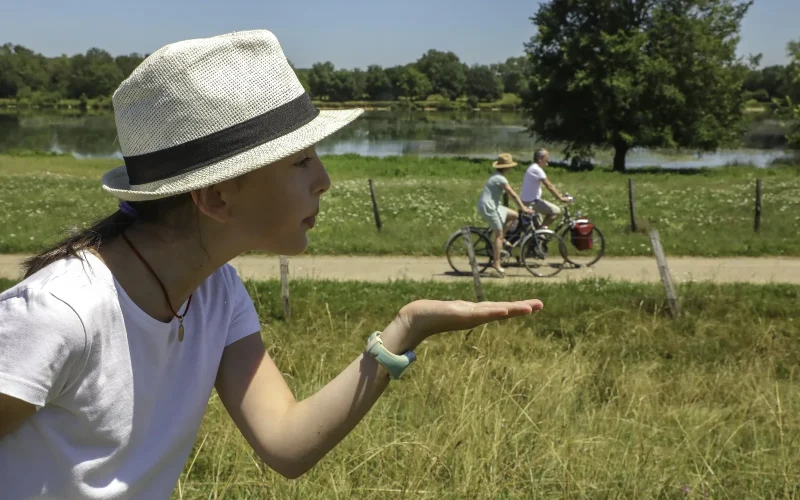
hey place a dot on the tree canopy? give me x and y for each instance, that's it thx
(628, 73)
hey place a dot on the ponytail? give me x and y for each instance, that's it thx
(105, 230)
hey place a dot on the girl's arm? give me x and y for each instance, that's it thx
(13, 412)
(291, 436)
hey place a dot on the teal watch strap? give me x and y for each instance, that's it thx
(394, 364)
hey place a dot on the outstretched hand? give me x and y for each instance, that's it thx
(422, 318)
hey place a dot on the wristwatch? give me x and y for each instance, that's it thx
(395, 364)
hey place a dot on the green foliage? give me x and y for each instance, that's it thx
(484, 83)
(378, 85)
(409, 82)
(37, 80)
(789, 106)
(514, 74)
(94, 74)
(772, 82)
(446, 72)
(656, 73)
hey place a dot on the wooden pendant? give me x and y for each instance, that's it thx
(180, 332)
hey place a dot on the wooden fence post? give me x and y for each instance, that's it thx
(632, 202)
(287, 310)
(757, 224)
(375, 206)
(666, 277)
(476, 278)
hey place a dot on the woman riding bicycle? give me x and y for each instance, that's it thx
(499, 218)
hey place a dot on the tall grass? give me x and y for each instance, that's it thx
(600, 395)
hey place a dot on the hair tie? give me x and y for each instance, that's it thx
(127, 209)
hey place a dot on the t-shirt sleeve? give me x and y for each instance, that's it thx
(501, 180)
(537, 172)
(244, 320)
(42, 345)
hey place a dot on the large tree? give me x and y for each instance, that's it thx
(94, 74)
(409, 82)
(445, 71)
(627, 73)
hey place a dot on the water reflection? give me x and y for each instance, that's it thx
(386, 133)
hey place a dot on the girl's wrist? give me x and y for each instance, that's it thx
(398, 337)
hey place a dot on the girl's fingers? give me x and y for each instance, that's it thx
(486, 312)
(516, 308)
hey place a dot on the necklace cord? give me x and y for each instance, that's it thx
(163, 289)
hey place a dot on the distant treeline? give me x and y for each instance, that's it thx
(31, 78)
(772, 82)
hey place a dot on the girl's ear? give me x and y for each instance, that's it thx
(212, 201)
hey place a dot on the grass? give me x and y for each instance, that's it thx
(600, 395)
(422, 201)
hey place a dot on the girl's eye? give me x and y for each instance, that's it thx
(303, 162)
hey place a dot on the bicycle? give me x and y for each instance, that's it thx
(530, 244)
(587, 240)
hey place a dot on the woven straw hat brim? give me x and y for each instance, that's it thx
(504, 165)
(326, 123)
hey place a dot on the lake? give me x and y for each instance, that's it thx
(386, 133)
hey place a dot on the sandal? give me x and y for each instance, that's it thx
(501, 272)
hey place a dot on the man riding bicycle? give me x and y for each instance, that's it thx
(531, 193)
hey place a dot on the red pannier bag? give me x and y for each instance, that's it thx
(582, 234)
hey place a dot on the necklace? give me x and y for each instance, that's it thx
(166, 296)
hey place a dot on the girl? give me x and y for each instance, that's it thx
(499, 217)
(112, 344)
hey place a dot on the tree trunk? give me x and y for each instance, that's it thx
(620, 150)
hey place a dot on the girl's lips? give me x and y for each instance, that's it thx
(310, 221)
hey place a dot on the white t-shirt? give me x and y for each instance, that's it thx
(532, 183)
(119, 399)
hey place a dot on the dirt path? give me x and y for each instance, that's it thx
(753, 270)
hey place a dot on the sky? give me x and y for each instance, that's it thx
(349, 33)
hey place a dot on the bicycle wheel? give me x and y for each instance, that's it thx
(544, 254)
(584, 258)
(457, 256)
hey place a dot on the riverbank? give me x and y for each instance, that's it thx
(706, 213)
(509, 102)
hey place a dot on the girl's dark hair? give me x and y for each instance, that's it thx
(104, 230)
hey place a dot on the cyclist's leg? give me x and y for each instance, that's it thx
(498, 235)
(549, 210)
(511, 218)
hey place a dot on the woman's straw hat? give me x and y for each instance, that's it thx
(202, 111)
(504, 161)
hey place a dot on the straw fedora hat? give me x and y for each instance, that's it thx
(202, 111)
(504, 161)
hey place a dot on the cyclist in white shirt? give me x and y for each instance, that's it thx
(531, 193)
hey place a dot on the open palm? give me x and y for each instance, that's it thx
(423, 318)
